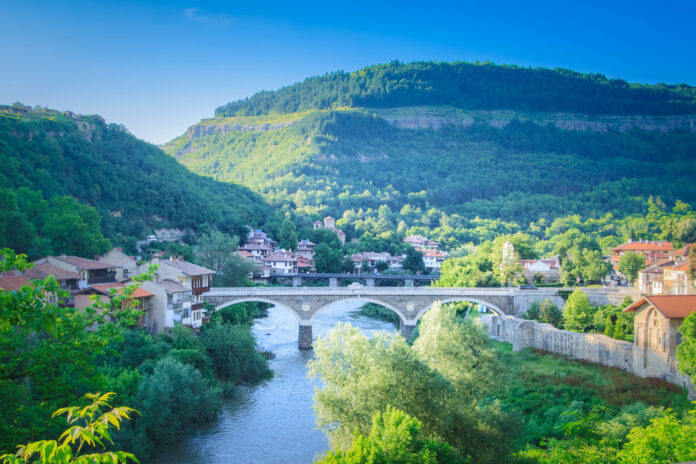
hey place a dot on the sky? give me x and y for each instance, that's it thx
(158, 67)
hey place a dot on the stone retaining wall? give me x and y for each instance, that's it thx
(598, 349)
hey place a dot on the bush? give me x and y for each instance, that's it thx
(233, 352)
(170, 399)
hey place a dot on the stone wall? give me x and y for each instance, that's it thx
(598, 349)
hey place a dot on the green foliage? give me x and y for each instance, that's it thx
(446, 387)
(232, 351)
(327, 259)
(89, 428)
(414, 261)
(379, 312)
(630, 263)
(395, 438)
(131, 187)
(577, 312)
(48, 353)
(287, 235)
(686, 350)
(665, 440)
(487, 86)
(217, 251)
(170, 399)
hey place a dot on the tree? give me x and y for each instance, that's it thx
(287, 235)
(326, 259)
(577, 312)
(49, 353)
(218, 252)
(665, 440)
(89, 429)
(630, 263)
(549, 313)
(232, 351)
(395, 438)
(414, 261)
(381, 266)
(449, 373)
(686, 350)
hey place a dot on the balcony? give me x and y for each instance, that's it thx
(107, 278)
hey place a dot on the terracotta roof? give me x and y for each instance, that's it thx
(246, 254)
(682, 267)
(645, 246)
(84, 264)
(683, 251)
(104, 289)
(671, 306)
(307, 243)
(43, 270)
(10, 283)
(187, 268)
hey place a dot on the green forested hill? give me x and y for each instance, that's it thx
(123, 187)
(470, 86)
(381, 150)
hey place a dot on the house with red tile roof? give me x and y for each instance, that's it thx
(651, 251)
(656, 323)
(104, 293)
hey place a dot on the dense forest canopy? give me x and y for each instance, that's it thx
(472, 86)
(134, 187)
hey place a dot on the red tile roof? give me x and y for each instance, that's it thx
(645, 246)
(138, 293)
(671, 306)
(10, 283)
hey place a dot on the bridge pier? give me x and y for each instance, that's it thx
(406, 329)
(369, 282)
(297, 281)
(333, 282)
(409, 283)
(304, 338)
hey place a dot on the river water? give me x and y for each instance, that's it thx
(272, 422)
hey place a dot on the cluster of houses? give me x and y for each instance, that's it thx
(270, 260)
(666, 269)
(547, 270)
(172, 297)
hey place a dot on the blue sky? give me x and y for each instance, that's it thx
(159, 67)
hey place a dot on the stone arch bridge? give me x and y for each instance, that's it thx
(409, 303)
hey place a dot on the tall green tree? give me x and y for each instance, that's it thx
(327, 259)
(287, 235)
(217, 251)
(630, 264)
(577, 312)
(414, 261)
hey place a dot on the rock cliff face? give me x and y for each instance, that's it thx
(433, 119)
(202, 130)
(565, 121)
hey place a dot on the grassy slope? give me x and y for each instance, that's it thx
(546, 390)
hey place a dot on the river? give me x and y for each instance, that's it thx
(272, 422)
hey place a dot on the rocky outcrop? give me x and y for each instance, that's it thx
(203, 130)
(431, 119)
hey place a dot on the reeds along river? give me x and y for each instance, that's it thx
(273, 422)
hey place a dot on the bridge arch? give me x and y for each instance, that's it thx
(257, 299)
(464, 299)
(359, 298)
